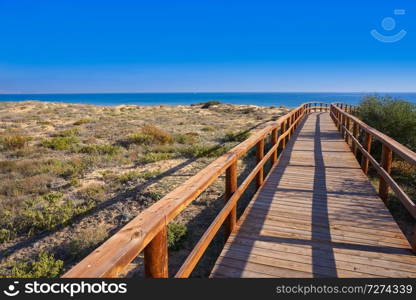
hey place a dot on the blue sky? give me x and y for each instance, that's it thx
(196, 46)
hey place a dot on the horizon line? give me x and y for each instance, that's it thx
(211, 92)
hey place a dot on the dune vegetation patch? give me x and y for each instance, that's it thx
(72, 174)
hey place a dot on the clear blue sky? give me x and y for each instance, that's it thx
(175, 46)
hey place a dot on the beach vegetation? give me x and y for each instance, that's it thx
(176, 234)
(14, 142)
(44, 266)
(87, 239)
(60, 143)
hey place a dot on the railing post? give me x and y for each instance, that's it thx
(386, 160)
(355, 133)
(347, 136)
(282, 131)
(367, 147)
(259, 157)
(274, 142)
(292, 121)
(320, 107)
(289, 125)
(156, 256)
(230, 188)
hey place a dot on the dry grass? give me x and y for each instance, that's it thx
(106, 167)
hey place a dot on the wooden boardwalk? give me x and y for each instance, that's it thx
(317, 215)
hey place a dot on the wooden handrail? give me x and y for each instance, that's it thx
(343, 121)
(148, 231)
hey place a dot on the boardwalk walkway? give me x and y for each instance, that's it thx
(317, 215)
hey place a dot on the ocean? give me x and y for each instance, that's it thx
(265, 99)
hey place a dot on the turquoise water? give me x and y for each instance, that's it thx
(266, 99)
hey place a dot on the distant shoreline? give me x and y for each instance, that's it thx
(290, 99)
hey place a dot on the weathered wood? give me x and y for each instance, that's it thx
(355, 133)
(274, 142)
(259, 157)
(386, 161)
(156, 256)
(347, 124)
(230, 188)
(282, 130)
(367, 147)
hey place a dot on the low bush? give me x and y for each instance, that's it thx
(202, 150)
(210, 103)
(67, 169)
(134, 175)
(67, 132)
(150, 157)
(14, 142)
(208, 128)
(176, 235)
(236, 136)
(60, 143)
(47, 212)
(83, 121)
(45, 266)
(395, 118)
(99, 149)
(187, 138)
(94, 192)
(149, 135)
(84, 241)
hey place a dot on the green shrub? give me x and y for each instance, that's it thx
(99, 149)
(85, 240)
(67, 132)
(150, 157)
(134, 175)
(6, 235)
(67, 168)
(48, 211)
(176, 235)
(60, 143)
(139, 138)
(202, 150)
(83, 121)
(95, 192)
(395, 118)
(149, 135)
(208, 128)
(237, 136)
(128, 176)
(13, 142)
(209, 103)
(46, 266)
(187, 138)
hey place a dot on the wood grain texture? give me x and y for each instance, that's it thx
(316, 215)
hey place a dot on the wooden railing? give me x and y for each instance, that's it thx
(351, 129)
(148, 231)
(349, 108)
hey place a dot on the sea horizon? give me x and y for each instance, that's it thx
(289, 99)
